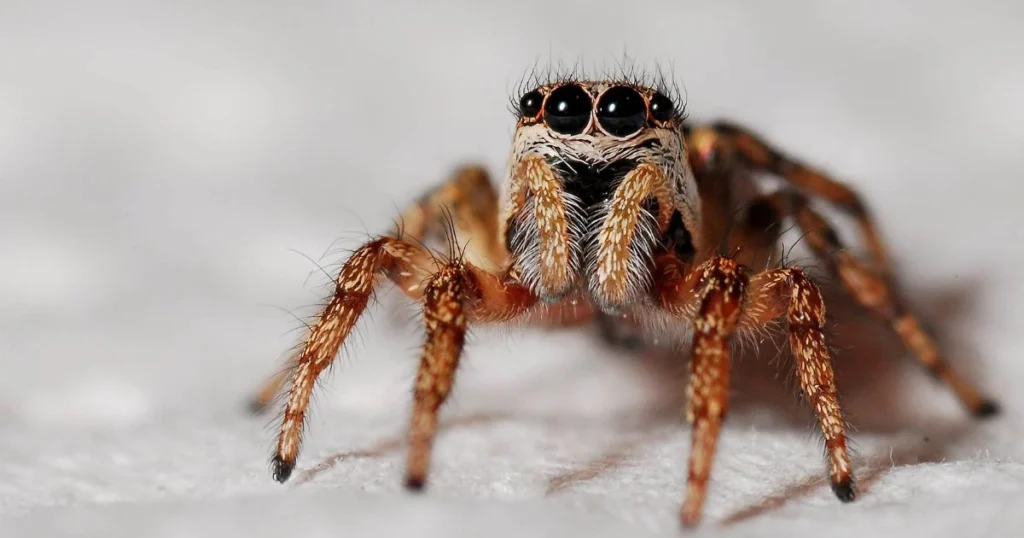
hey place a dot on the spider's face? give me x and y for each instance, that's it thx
(598, 180)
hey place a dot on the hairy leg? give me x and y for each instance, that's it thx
(724, 144)
(485, 297)
(875, 293)
(790, 293)
(720, 298)
(445, 323)
(469, 202)
(724, 284)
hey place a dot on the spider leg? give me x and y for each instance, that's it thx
(469, 200)
(445, 322)
(708, 390)
(484, 297)
(874, 292)
(720, 299)
(723, 141)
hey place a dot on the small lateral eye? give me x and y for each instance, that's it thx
(621, 111)
(529, 104)
(662, 108)
(567, 110)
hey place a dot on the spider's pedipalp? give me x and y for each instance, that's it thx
(625, 236)
(543, 228)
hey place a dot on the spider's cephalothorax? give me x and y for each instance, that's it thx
(608, 202)
(597, 177)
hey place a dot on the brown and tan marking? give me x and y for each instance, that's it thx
(614, 211)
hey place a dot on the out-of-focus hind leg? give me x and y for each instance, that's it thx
(875, 293)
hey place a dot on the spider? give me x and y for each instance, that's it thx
(612, 211)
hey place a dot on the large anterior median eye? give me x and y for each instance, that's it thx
(567, 110)
(621, 111)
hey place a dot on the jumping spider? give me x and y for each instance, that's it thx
(612, 209)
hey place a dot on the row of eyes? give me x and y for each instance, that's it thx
(620, 110)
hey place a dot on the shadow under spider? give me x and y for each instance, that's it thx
(610, 460)
(926, 451)
(393, 444)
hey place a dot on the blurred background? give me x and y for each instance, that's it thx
(167, 169)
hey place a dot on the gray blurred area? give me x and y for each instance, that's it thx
(167, 169)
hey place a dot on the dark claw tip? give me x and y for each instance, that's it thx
(415, 484)
(987, 409)
(844, 490)
(282, 469)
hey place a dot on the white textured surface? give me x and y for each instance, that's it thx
(159, 166)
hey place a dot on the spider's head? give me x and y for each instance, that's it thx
(598, 182)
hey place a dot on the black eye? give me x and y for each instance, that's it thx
(529, 104)
(567, 110)
(662, 108)
(621, 111)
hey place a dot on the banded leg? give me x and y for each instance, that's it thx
(719, 298)
(875, 293)
(789, 292)
(445, 323)
(470, 200)
(352, 290)
(708, 390)
(720, 143)
(486, 296)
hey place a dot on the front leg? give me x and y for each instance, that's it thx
(788, 292)
(719, 298)
(444, 319)
(724, 284)
(486, 297)
(469, 203)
